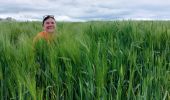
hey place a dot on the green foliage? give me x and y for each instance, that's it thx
(122, 60)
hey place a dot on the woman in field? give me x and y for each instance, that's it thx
(42, 52)
(49, 29)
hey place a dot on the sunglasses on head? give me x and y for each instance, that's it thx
(50, 16)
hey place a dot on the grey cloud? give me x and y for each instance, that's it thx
(105, 16)
(19, 8)
(86, 10)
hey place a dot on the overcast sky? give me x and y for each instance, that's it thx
(84, 10)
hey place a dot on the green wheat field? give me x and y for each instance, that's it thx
(114, 60)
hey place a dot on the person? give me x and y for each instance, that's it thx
(42, 51)
(49, 29)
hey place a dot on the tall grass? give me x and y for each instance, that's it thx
(91, 60)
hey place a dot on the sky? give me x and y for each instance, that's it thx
(86, 10)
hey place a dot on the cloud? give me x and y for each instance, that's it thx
(80, 10)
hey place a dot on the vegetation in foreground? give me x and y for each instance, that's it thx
(122, 60)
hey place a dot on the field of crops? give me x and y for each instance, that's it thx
(119, 60)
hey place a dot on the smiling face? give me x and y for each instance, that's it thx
(49, 25)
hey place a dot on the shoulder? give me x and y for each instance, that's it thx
(41, 34)
(38, 36)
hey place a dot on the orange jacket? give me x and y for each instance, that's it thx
(44, 35)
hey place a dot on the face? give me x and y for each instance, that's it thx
(49, 25)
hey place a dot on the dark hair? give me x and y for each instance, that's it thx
(47, 17)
